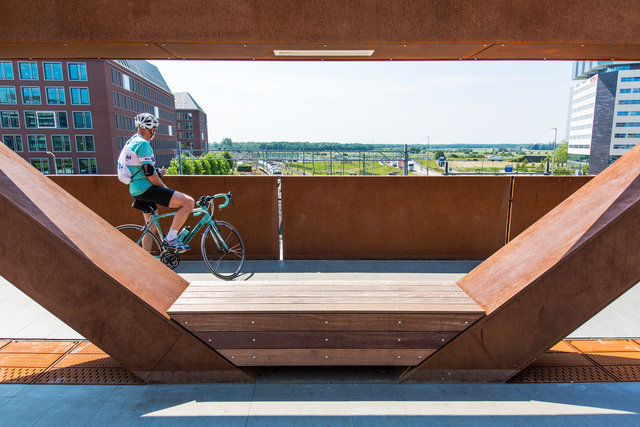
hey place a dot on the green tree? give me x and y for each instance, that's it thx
(206, 167)
(562, 152)
(438, 154)
(226, 143)
(226, 155)
(197, 167)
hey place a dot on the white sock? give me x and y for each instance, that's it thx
(172, 234)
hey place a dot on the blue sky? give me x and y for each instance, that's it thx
(381, 102)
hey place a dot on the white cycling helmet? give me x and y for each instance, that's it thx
(147, 121)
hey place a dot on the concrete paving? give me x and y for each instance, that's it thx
(21, 317)
(322, 405)
(319, 396)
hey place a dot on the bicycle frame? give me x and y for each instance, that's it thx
(206, 219)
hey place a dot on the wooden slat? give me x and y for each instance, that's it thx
(301, 308)
(293, 299)
(320, 293)
(327, 321)
(327, 339)
(325, 357)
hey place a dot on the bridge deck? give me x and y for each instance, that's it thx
(294, 323)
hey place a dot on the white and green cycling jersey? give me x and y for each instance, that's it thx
(142, 148)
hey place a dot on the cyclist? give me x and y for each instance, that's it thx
(147, 188)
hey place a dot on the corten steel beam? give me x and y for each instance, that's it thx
(82, 270)
(253, 29)
(549, 280)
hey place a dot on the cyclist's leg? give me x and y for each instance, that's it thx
(147, 209)
(185, 204)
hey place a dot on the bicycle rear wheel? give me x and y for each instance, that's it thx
(223, 263)
(150, 242)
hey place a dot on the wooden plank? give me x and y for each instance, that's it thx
(327, 321)
(297, 308)
(326, 339)
(325, 357)
(353, 299)
(255, 293)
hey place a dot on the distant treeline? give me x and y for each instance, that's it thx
(227, 144)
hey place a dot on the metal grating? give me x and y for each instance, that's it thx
(598, 346)
(617, 358)
(89, 376)
(556, 374)
(561, 359)
(19, 375)
(625, 373)
(87, 361)
(42, 347)
(86, 347)
(25, 360)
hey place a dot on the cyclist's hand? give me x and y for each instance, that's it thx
(161, 171)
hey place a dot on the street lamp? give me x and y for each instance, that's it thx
(553, 160)
(55, 168)
(428, 140)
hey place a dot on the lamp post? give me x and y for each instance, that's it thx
(553, 159)
(428, 140)
(54, 162)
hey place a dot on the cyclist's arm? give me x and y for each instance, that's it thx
(154, 178)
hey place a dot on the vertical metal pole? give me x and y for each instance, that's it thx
(406, 160)
(179, 158)
(553, 160)
(428, 141)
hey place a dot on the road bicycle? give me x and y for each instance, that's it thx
(221, 245)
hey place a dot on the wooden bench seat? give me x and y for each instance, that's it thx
(295, 323)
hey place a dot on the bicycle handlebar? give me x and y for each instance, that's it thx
(206, 199)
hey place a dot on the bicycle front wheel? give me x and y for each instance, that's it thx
(149, 242)
(223, 258)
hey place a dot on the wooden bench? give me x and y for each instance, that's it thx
(301, 323)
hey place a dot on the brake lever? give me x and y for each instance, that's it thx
(231, 198)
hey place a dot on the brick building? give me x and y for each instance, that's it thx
(80, 113)
(191, 121)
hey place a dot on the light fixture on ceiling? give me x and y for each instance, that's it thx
(324, 53)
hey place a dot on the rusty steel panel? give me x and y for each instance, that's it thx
(534, 196)
(74, 264)
(388, 217)
(249, 29)
(549, 280)
(254, 214)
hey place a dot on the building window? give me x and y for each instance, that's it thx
(13, 141)
(52, 70)
(628, 101)
(28, 70)
(37, 142)
(77, 71)
(61, 142)
(84, 143)
(623, 113)
(8, 95)
(189, 135)
(79, 95)
(82, 120)
(6, 70)
(630, 79)
(63, 123)
(87, 166)
(9, 119)
(64, 166)
(46, 119)
(31, 95)
(41, 164)
(55, 96)
(625, 90)
(627, 124)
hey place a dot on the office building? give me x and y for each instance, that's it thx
(604, 112)
(191, 121)
(80, 113)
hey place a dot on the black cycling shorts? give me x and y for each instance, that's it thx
(146, 201)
